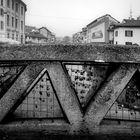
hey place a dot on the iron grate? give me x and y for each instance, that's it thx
(7, 76)
(84, 77)
(41, 102)
(127, 106)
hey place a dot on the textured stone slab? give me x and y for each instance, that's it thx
(93, 52)
(108, 94)
(65, 93)
(19, 89)
(44, 128)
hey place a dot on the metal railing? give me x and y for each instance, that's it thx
(78, 88)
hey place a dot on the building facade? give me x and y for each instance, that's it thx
(127, 32)
(12, 21)
(35, 37)
(80, 37)
(97, 31)
(77, 38)
(38, 36)
(48, 34)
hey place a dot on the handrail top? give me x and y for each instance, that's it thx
(87, 52)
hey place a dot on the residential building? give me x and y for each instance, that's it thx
(53, 38)
(35, 37)
(47, 33)
(38, 36)
(97, 30)
(84, 34)
(80, 37)
(138, 18)
(127, 32)
(77, 38)
(12, 21)
(32, 36)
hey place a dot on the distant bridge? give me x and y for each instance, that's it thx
(84, 90)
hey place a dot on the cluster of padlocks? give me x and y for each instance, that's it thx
(81, 81)
(127, 106)
(84, 76)
(7, 75)
(41, 102)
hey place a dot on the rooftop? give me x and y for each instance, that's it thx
(45, 29)
(100, 18)
(23, 4)
(128, 23)
(36, 35)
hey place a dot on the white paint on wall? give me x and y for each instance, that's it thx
(95, 30)
(122, 39)
(111, 36)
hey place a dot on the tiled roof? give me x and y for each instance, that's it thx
(36, 35)
(101, 18)
(45, 29)
(128, 23)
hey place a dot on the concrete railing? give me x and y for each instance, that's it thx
(110, 69)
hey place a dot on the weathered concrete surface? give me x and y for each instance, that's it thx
(19, 89)
(108, 95)
(45, 128)
(66, 95)
(100, 73)
(94, 52)
(79, 123)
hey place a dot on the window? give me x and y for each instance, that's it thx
(8, 20)
(1, 2)
(21, 39)
(116, 33)
(16, 7)
(22, 10)
(21, 25)
(13, 36)
(8, 3)
(13, 4)
(128, 43)
(16, 23)
(1, 25)
(12, 21)
(16, 37)
(8, 35)
(128, 33)
(1, 12)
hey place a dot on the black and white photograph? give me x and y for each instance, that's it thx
(69, 69)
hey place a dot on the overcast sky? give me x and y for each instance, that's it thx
(66, 17)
